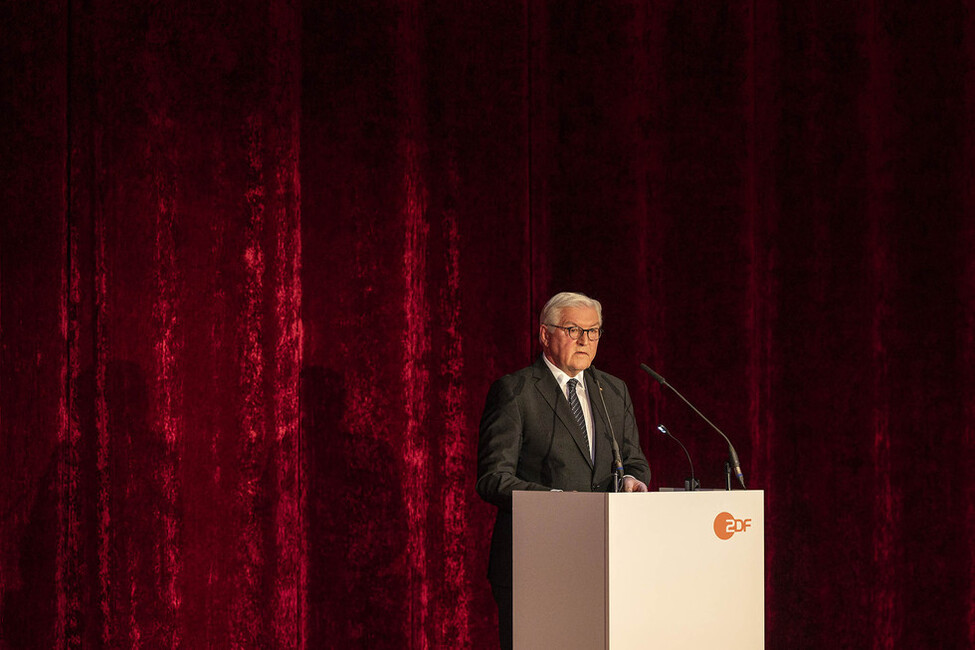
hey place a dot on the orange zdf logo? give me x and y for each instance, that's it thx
(725, 525)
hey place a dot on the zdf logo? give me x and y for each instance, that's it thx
(726, 525)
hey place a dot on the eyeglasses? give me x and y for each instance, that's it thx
(575, 332)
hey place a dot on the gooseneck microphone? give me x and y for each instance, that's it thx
(731, 448)
(692, 485)
(617, 458)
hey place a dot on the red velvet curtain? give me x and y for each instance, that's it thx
(260, 261)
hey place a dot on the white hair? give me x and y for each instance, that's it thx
(552, 311)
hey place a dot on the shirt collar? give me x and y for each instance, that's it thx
(561, 377)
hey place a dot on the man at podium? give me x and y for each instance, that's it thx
(550, 426)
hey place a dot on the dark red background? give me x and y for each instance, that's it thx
(260, 262)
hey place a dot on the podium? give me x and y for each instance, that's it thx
(643, 570)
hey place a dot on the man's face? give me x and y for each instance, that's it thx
(571, 357)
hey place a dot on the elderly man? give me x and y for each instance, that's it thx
(545, 428)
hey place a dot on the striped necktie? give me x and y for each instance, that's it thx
(576, 407)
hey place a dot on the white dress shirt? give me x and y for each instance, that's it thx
(582, 393)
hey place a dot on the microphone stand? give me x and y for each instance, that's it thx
(731, 448)
(693, 483)
(617, 458)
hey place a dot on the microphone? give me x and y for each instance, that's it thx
(693, 484)
(731, 448)
(617, 458)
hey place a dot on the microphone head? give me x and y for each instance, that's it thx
(653, 374)
(662, 429)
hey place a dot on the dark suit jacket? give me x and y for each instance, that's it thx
(529, 440)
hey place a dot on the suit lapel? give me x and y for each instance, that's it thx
(549, 389)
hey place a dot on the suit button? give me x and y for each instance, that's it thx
(595, 486)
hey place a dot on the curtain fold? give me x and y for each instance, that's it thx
(260, 262)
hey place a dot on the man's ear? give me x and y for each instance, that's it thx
(543, 335)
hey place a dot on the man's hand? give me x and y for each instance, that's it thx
(631, 484)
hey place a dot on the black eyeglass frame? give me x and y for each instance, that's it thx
(599, 331)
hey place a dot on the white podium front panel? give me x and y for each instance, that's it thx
(655, 570)
(676, 583)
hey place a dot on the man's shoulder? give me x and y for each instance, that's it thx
(611, 381)
(516, 382)
(602, 375)
(518, 376)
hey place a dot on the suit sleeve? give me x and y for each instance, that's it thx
(499, 444)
